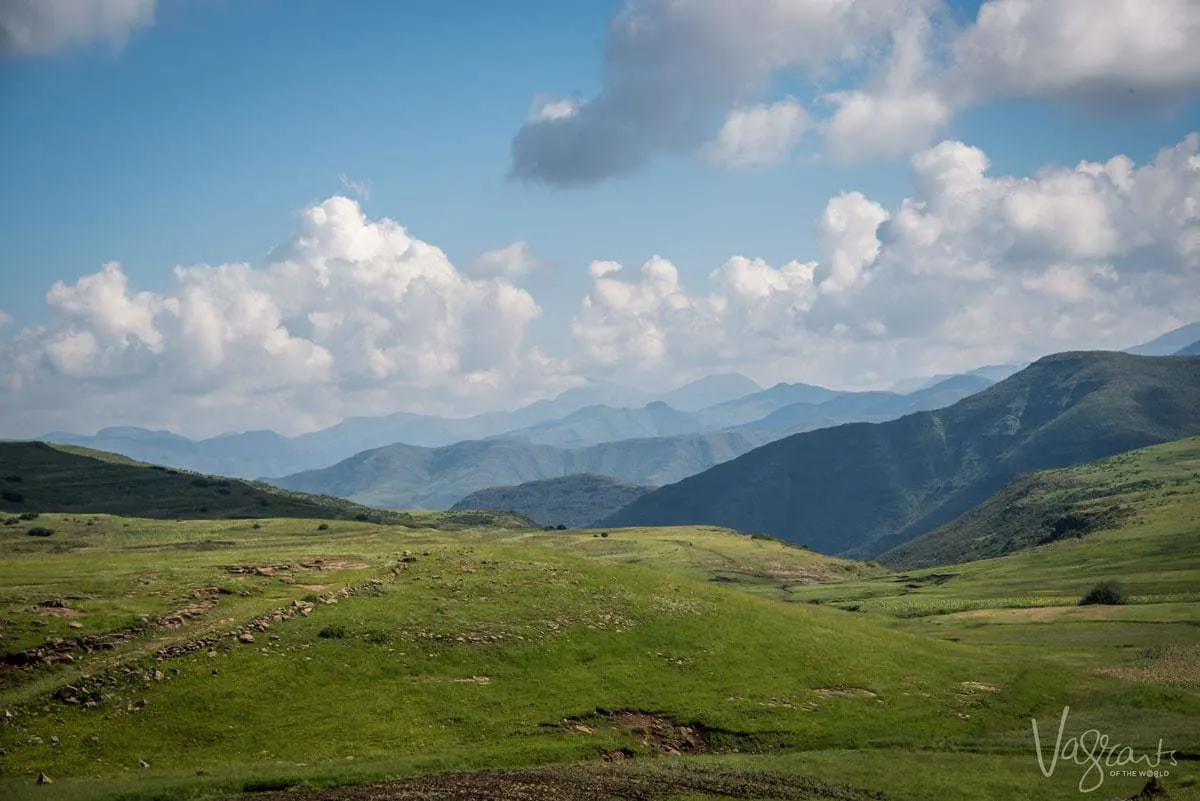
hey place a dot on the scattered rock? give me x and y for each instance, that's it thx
(44, 779)
(246, 637)
(143, 763)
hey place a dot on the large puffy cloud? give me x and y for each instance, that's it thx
(36, 27)
(973, 268)
(351, 315)
(1092, 50)
(672, 66)
(894, 73)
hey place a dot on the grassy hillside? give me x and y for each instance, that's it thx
(573, 501)
(36, 477)
(863, 488)
(145, 659)
(400, 476)
(1062, 504)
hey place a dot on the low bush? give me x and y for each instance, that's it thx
(40, 531)
(1108, 593)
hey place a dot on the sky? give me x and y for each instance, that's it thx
(222, 215)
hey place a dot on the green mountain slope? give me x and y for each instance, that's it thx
(36, 477)
(573, 501)
(1068, 503)
(866, 488)
(402, 476)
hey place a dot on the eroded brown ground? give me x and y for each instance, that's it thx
(601, 782)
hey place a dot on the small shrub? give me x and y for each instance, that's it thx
(28, 516)
(337, 632)
(362, 518)
(256, 526)
(323, 527)
(1108, 593)
(561, 527)
(40, 531)
(12, 497)
(13, 479)
(603, 533)
(201, 482)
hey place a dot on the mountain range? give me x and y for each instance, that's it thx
(402, 476)
(265, 453)
(572, 420)
(862, 488)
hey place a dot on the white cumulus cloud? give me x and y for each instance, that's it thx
(973, 268)
(39, 27)
(349, 314)
(893, 72)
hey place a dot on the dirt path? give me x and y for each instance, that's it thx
(607, 782)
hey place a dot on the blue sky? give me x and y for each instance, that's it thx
(202, 136)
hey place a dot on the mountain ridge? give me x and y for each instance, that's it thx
(863, 488)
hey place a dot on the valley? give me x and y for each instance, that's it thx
(451, 657)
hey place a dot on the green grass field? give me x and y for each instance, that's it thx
(486, 649)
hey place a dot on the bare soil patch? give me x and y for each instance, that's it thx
(619, 780)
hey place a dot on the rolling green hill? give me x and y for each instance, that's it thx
(145, 659)
(572, 501)
(36, 477)
(1068, 503)
(866, 488)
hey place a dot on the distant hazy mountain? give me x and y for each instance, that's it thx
(573, 501)
(596, 424)
(867, 407)
(402, 476)
(991, 372)
(1191, 350)
(240, 455)
(257, 453)
(710, 391)
(1169, 343)
(864, 488)
(758, 405)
